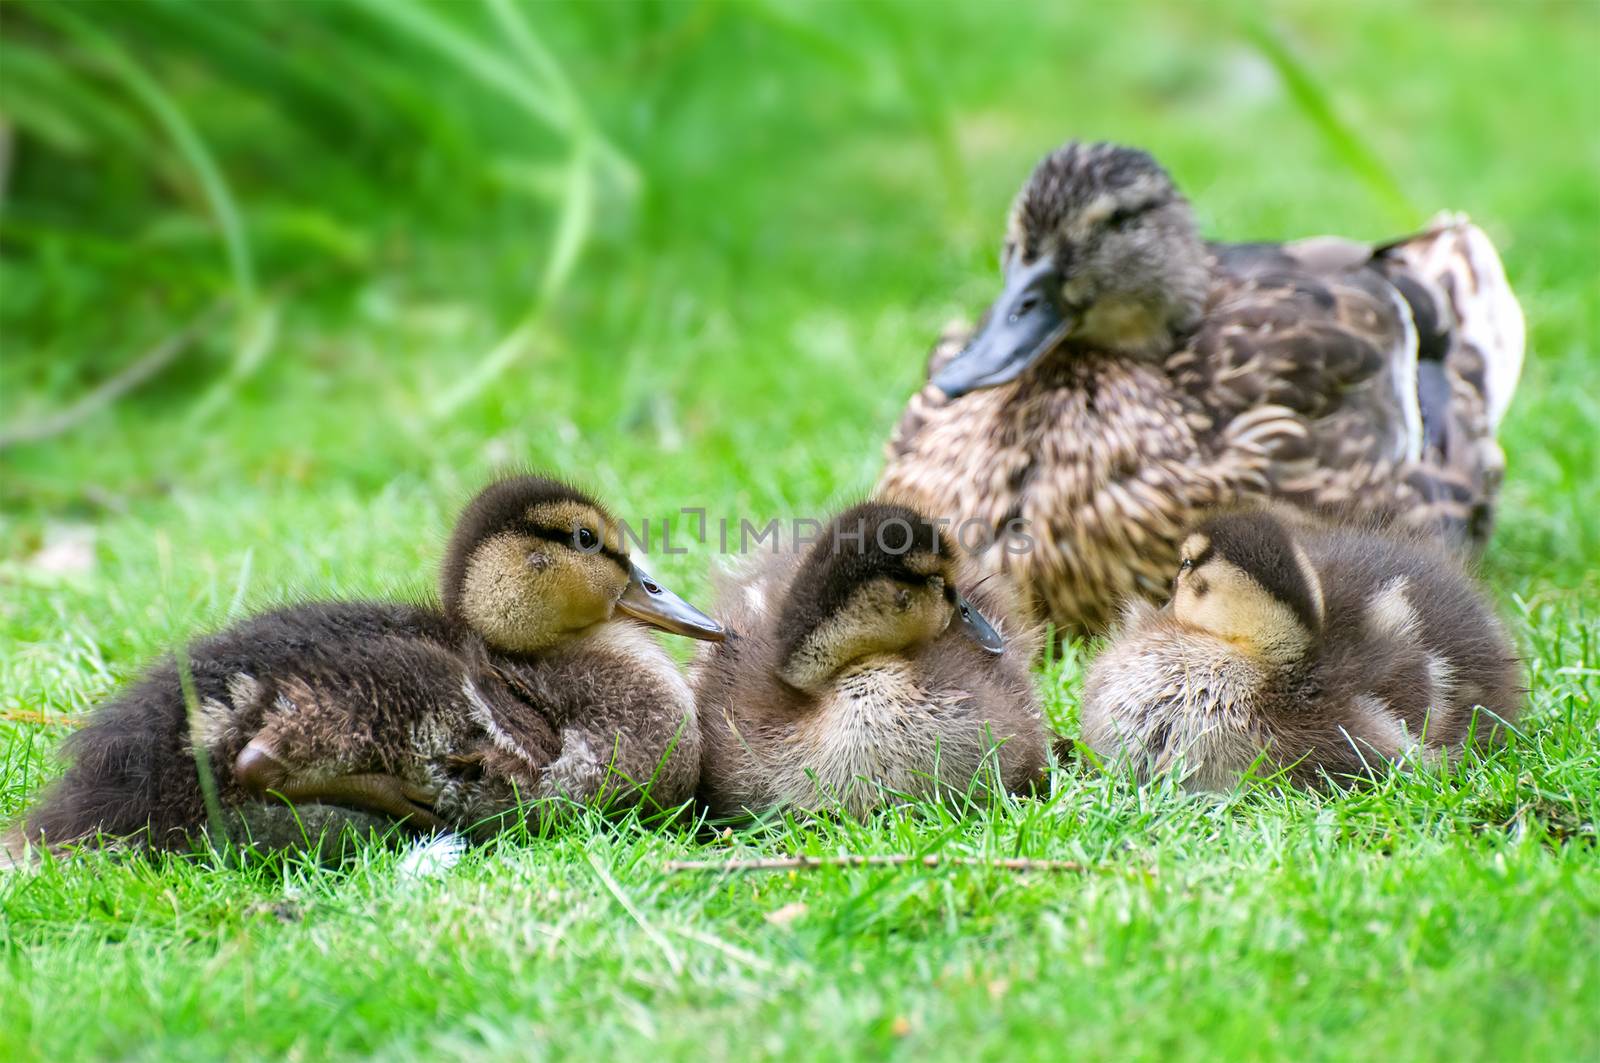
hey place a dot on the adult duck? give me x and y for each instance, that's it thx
(1131, 377)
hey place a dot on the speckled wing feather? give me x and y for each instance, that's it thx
(1398, 361)
(1336, 352)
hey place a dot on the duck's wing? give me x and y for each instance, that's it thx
(1363, 349)
(1334, 349)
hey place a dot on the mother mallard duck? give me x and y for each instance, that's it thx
(1131, 376)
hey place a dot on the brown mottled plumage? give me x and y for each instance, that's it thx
(856, 674)
(1131, 377)
(534, 680)
(1290, 644)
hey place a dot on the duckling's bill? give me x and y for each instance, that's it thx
(649, 601)
(976, 626)
(1024, 323)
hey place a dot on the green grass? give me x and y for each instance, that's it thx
(693, 254)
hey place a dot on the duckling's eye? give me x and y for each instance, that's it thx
(587, 539)
(1186, 564)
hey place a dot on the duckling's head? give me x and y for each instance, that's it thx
(1100, 250)
(1243, 578)
(880, 580)
(534, 562)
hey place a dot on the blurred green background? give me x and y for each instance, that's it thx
(281, 283)
(683, 249)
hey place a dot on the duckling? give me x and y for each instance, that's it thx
(534, 678)
(858, 673)
(1320, 649)
(1131, 377)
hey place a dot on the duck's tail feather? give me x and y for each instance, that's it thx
(1480, 313)
(1471, 340)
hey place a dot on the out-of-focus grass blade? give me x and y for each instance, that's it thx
(527, 43)
(1315, 103)
(202, 756)
(819, 42)
(38, 108)
(232, 40)
(484, 64)
(258, 331)
(572, 229)
(572, 232)
(925, 96)
(171, 117)
(471, 56)
(35, 78)
(523, 39)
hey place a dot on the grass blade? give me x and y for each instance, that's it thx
(171, 117)
(1316, 104)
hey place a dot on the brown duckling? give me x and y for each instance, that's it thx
(1319, 649)
(1132, 377)
(857, 673)
(534, 678)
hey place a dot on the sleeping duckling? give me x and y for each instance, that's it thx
(534, 678)
(1318, 649)
(858, 673)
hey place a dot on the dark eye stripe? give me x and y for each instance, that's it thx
(569, 538)
(1123, 215)
(909, 578)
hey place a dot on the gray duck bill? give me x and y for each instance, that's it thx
(1023, 324)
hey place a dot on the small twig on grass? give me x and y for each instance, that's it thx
(117, 385)
(43, 719)
(812, 863)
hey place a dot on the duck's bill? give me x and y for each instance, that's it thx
(649, 601)
(976, 626)
(1021, 327)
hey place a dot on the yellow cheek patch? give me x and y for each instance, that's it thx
(525, 594)
(1239, 610)
(881, 617)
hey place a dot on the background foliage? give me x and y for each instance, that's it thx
(280, 283)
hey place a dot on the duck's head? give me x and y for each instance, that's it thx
(880, 580)
(1244, 579)
(1100, 250)
(533, 563)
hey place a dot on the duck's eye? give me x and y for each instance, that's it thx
(1186, 564)
(587, 539)
(1120, 217)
